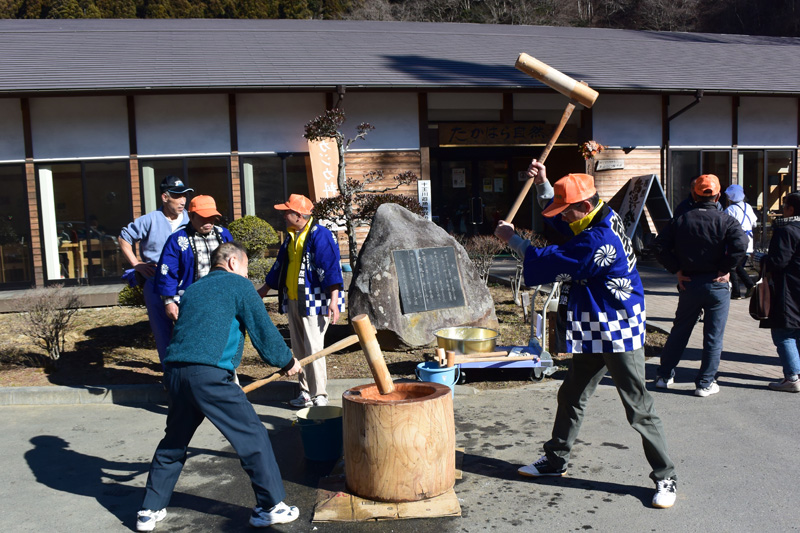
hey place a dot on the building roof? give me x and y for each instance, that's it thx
(235, 55)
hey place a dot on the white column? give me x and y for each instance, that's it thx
(49, 230)
(149, 184)
(249, 196)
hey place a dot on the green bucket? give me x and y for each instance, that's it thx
(321, 432)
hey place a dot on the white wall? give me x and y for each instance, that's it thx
(184, 124)
(79, 127)
(12, 142)
(274, 122)
(395, 117)
(767, 122)
(465, 107)
(621, 120)
(708, 124)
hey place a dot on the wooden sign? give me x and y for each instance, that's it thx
(641, 191)
(428, 279)
(324, 157)
(609, 164)
(501, 134)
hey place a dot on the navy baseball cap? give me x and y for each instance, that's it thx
(175, 185)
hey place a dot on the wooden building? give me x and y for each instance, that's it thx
(94, 113)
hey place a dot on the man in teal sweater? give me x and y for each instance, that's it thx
(205, 350)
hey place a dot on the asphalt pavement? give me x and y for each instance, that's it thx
(77, 465)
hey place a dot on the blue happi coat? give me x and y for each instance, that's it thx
(176, 268)
(601, 307)
(320, 269)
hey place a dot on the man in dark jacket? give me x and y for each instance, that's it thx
(701, 246)
(783, 265)
(205, 350)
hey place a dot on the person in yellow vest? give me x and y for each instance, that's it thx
(308, 275)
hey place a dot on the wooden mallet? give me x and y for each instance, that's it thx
(576, 91)
(335, 347)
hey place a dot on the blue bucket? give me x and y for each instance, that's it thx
(432, 372)
(321, 432)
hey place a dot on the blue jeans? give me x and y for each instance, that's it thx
(787, 341)
(160, 324)
(701, 294)
(197, 392)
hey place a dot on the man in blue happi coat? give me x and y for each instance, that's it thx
(601, 320)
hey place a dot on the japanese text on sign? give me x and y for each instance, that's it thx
(324, 156)
(428, 279)
(520, 133)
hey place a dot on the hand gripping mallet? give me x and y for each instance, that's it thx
(577, 91)
(335, 347)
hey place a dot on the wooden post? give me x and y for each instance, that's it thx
(372, 351)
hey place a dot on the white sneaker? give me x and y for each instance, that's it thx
(662, 383)
(146, 519)
(320, 401)
(666, 494)
(304, 400)
(280, 514)
(707, 391)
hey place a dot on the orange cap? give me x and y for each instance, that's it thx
(297, 203)
(570, 189)
(204, 205)
(706, 185)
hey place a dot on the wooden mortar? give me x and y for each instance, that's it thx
(399, 447)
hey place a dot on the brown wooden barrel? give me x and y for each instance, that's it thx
(399, 447)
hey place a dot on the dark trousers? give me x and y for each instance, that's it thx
(627, 371)
(197, 392)
(740, 274)
(701, 294)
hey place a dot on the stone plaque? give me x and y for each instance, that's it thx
(428, 279)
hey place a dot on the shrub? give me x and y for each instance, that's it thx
(254, 233)
(258, 268)
(47, 318)
(482, 249)
(132, 296)
(370, 203)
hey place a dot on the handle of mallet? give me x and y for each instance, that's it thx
(542, 158)
(460, 359)
(451, 358)
(440, 357)
(372, 351)
(335, 347)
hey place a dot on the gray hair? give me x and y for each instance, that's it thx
(225, 251)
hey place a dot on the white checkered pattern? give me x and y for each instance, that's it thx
(317, 301)
(600, 333)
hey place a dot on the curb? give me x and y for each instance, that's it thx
(279, 391)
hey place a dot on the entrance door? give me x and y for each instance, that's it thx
(767, 177)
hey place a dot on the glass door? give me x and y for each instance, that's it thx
(766, 176)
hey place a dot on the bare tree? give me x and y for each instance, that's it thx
(47, 319)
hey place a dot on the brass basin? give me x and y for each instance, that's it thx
(465, 340)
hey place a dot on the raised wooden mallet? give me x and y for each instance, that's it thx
(576, 91)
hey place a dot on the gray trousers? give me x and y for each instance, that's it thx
(627, 371)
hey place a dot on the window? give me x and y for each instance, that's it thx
(269, 180)
(210, 176)
(766, 176)
(685, 165)
(84, 207)
(15, 230)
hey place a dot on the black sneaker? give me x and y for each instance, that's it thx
(542, 467)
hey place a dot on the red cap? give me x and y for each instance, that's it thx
(297, 203)
(204, 205)
(706, 185)
(570, 189)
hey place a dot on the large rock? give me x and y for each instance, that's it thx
(375, 291)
